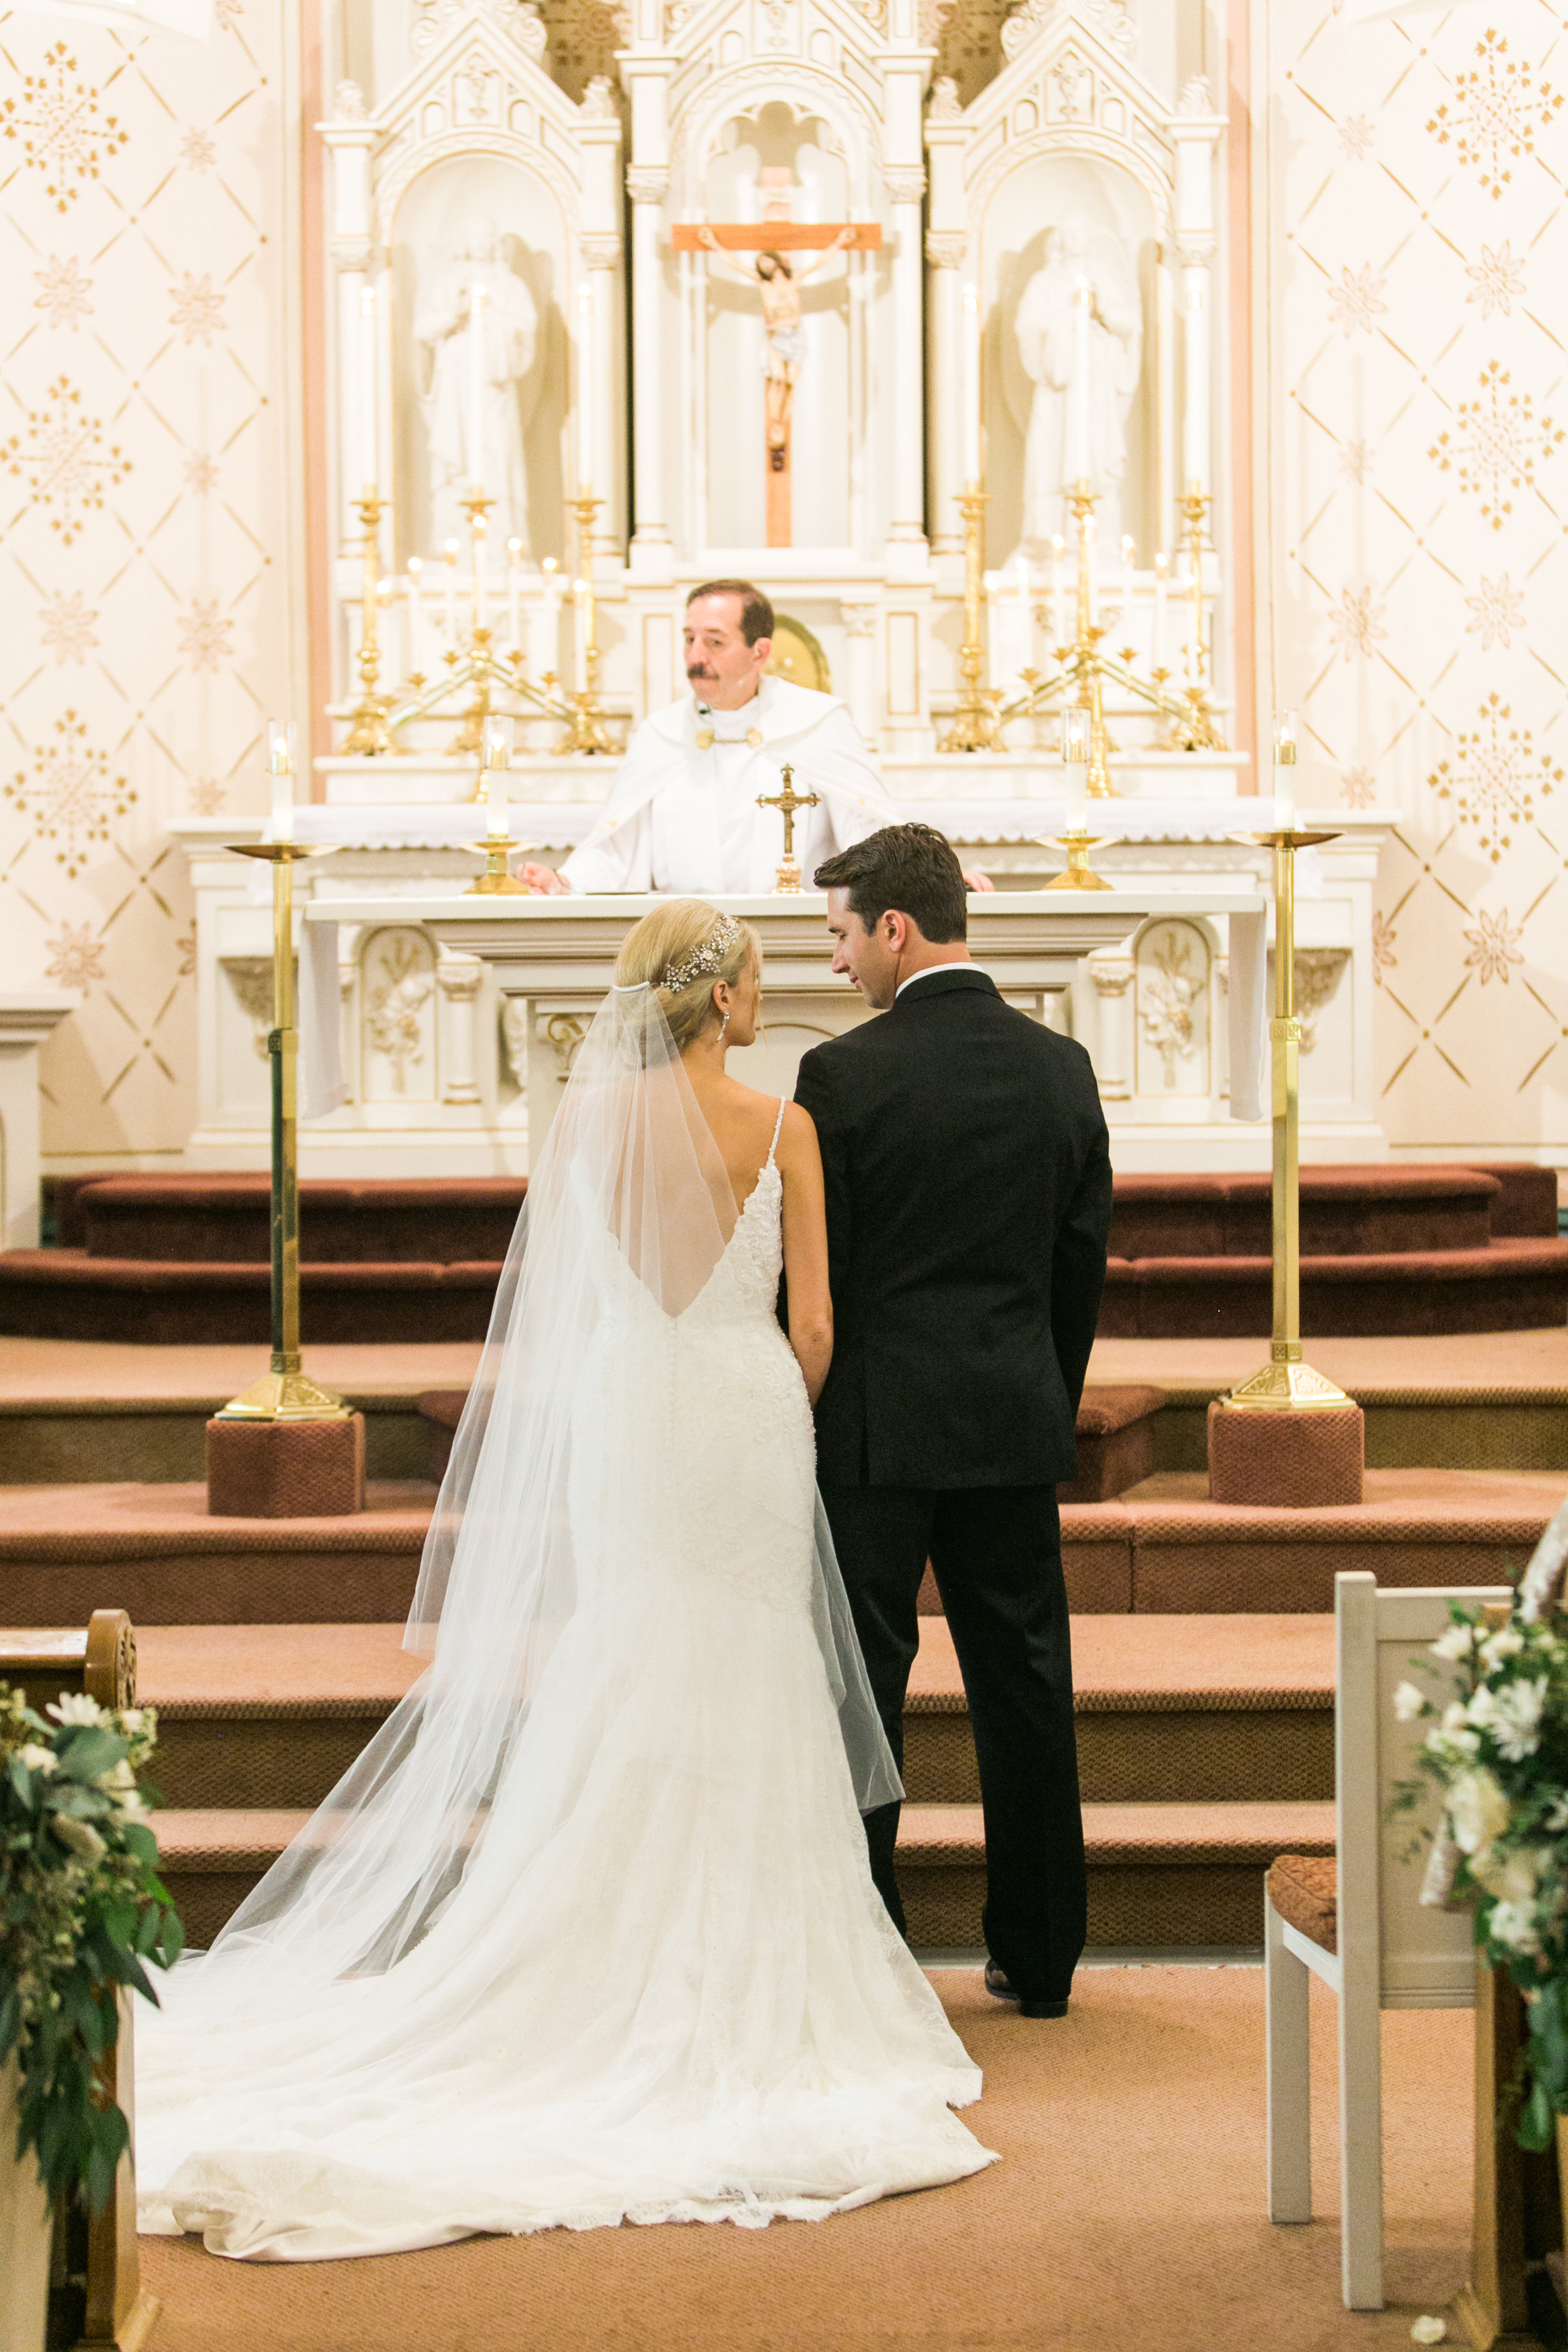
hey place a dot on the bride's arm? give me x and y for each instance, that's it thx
(805, 1248)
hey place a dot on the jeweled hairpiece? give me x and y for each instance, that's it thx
(709, 958)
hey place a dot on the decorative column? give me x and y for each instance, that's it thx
(349, 139)
(599, 249)
(906, 503)
(946, 251)
(1112, 973)
(861, 627)
(27, 1016)
(460, 981)
(1219, 1030)
(646, 70)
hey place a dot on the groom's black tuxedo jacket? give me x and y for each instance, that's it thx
(968, 1176)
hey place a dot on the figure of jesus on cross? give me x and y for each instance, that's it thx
(777, 277)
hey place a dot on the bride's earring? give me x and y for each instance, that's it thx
(722, 1026)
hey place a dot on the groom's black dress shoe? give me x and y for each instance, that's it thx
(998, 1985)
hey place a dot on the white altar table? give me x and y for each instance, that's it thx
(551, 962)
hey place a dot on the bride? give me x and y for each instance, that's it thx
(588, 1933)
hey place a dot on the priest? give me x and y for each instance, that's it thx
(684, 814)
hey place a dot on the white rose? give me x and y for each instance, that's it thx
(1504, 1643)
(75, 1707)
(38, 1759)
(133, 1719)
(1512, 1877)
(1456, 1644)
(1517, 1717)
(1513, 1923)
(1482, 1709)
(1409, 1702)
(1478, 1808)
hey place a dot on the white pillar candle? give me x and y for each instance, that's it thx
(280, 764)
(1074, 757)
(580, 635)
(1194, 619)
(1196, 387)
(513, 589)
(1126, 585)
(1157, 644)
(1081, 383)
(495, 757)
(450, 557)
(972, 465)
(367, 373)
(415, 616)
(1165, 401)
(1089, 536)
(479, 544)
(477, 387)
(1058, 549)
(543, 630)
(1285, 733)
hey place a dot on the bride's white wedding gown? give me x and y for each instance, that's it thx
(665, 1987)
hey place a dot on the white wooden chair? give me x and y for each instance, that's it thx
(1358, 1922)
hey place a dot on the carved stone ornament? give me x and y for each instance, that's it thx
(946, 248)
(1319, 971)
(599, 100)
(648, 184)
(520, 20)
(1196, 97)
(250, 977)
(514, 1039)
(860, 620)
(1024, 24)
(600, 248)
(1109, 18)
(348, 102)
(946, 104)
(904, 186)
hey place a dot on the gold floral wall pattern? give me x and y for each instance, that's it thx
(144, 486)
(1420, 241)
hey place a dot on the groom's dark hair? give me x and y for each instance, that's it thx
(910, 868)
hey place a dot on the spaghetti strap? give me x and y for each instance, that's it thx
(778, 1123)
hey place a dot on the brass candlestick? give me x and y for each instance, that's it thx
(369, 735)
(1080, 874)
(585, 730)
(1286, 1384)
(482, 664)
(788, 883)
(284, 1393)
(1193, 726)
(497, 881)
(974, 727)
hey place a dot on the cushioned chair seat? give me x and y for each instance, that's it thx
(1305, 1890)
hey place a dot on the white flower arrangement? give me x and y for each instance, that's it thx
(1499, 1753)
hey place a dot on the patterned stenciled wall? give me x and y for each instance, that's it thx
(148, 562)
(1419, 468)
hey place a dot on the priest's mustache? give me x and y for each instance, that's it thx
(701, 670)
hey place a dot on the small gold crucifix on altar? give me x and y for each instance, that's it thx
(786, 802)
(777, 278)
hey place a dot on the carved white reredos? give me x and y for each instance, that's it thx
(947, 248)
(742, 90)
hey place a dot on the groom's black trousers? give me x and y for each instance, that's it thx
(997, 1555)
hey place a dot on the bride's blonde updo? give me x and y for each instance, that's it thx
(680, 950)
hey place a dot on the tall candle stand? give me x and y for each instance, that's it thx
(482, 665)
(1286, 1384)
(369, 735)
(284, 1393)
(975, 727)
(585, 728)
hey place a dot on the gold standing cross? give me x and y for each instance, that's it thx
(786, 802)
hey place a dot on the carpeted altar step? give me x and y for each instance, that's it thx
(1162, 1549)
(224, 1219)
(1169, 1873)
(59, 1294)
(1165, 1873)
(1502, 1285)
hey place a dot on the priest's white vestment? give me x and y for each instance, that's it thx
(683, 816)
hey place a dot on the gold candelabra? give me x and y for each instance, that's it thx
(283, 1394)
(1286, 1384)
(585, 730)
(369, 735)
(974, 727)
(1193, 726)
(1087, 668)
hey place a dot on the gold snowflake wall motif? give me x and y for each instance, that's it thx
(68, 794)
(1494, 776)
(1497, 444)
(57, 123)
(1495, 112)
(64, 459)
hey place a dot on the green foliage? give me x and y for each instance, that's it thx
(1499, 1754)
(81, 1908)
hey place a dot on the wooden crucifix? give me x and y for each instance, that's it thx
(773, 239)
(786, 802)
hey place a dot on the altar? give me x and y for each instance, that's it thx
(549, 962)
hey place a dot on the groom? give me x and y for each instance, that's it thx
(968, 1178)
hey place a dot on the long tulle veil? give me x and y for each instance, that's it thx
(630, 1174)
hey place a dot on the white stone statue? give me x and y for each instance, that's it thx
(474, 404)
(1046, 329)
